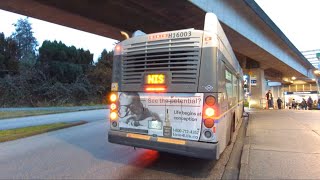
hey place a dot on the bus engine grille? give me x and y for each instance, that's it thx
(180, 57)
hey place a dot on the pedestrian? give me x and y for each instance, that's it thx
(269, 99)
(309, 103)
(304, 104)
(319, 103)
(293, 104)
(279, 102)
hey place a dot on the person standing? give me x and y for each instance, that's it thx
(279, 102)
(309, 103)
(269, 99)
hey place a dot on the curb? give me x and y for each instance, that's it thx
(244, 163)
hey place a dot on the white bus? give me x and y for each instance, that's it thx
(176, 91)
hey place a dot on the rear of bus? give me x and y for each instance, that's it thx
(164, 93)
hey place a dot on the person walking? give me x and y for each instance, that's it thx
(269, 99)
(293, 104)
(279, 102)
(309, 103)
(304, 104)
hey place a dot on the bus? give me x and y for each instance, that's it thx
(176, 91)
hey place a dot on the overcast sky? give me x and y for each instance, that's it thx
(48, 31)
(297, 19)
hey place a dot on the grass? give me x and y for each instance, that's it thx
(15, 114)
(13, 134)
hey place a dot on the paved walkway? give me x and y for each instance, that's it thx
(282, 144)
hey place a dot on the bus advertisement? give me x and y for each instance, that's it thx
(176, 91)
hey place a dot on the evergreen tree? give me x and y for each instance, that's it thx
(64, 63)
(100, 76)
(8, 56)
(26, 42)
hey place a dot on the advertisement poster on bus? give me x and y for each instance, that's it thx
(176, 115)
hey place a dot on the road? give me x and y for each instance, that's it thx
(83, 152)
(89, 116)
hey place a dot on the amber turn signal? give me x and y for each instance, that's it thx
(113, 98)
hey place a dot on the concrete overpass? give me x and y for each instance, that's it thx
(261, 47)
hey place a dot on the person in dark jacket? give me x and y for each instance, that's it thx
(309, 103)
(304, 104)
(279, 102)
(269, 99)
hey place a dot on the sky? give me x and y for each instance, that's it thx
(48, 31)
(297, 19)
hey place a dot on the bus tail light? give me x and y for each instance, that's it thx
(209, 112)
(209, 123)
(210, 100)
(113, 110)
(113, 116)
(113, 97)
(113, 106)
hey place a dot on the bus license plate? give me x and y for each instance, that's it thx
(155, 125)
(155, 79)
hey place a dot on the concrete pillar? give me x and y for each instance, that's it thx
(258, 89)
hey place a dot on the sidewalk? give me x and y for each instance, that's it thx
(282, 144)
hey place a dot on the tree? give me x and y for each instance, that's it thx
(8, 56)
(27, 43)
(100, 76)
(64, 63)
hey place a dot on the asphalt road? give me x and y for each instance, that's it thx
(83, 152)
(89, 116)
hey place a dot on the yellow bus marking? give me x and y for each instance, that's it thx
(172, 141)
(138, 136)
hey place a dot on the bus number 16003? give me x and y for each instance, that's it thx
(180, 34)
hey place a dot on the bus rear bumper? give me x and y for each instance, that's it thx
(189, 148)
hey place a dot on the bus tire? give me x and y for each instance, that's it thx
(232, 129)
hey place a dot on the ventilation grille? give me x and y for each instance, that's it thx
(180, 57)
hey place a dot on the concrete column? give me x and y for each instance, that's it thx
(258, 90)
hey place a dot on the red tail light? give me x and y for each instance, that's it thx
(210, 111)
(209, 123)
(210, 100)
